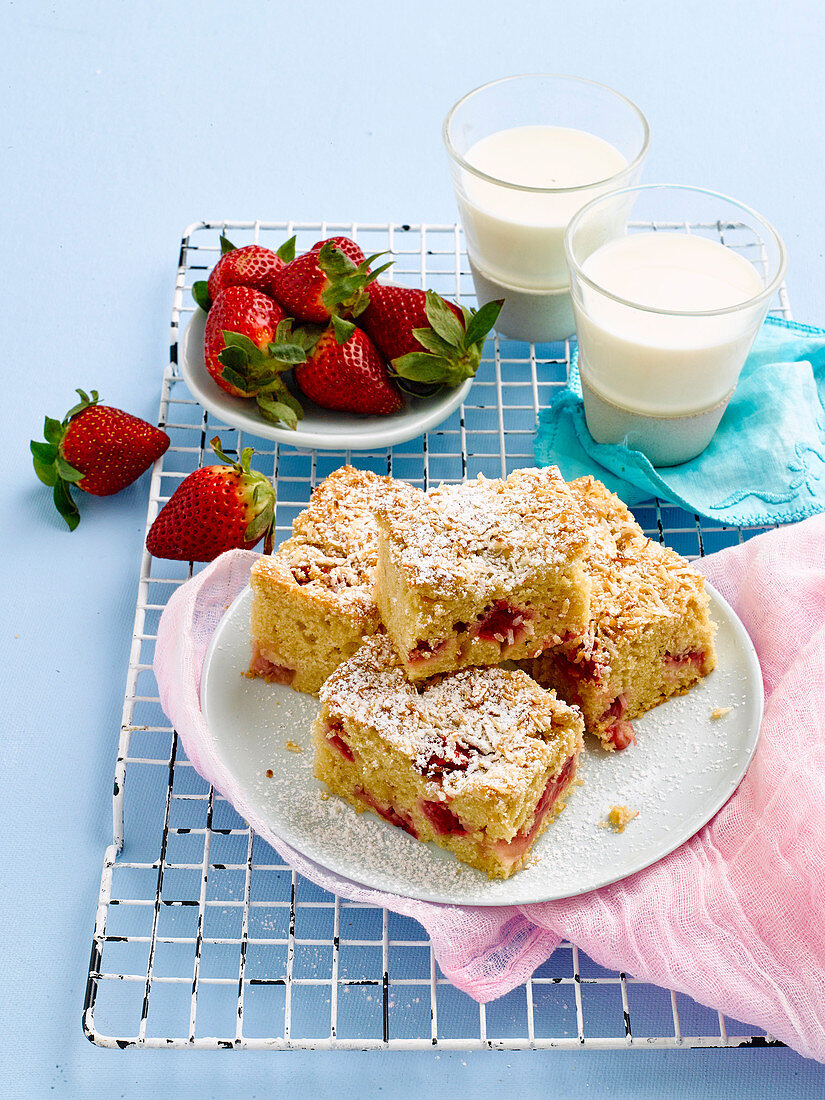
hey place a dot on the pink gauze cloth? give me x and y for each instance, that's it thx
(735, 917)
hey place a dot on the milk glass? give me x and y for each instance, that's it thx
(666, 310)
(527, 152)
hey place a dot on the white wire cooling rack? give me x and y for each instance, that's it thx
(203, 938)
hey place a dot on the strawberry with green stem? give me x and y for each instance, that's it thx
(429, 342)
(248, 345)
(253, 265)
(214, 509)
(97, 448)
(327, 280)
(344, 370)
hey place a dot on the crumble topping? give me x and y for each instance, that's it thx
(480, 720)
(334, 543)
(487, 531)
(720, 712)
(635, 581)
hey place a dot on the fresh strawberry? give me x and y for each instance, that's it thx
(97, 448)
(253, 265)
(346, 245)
(248, 344)
(428, 341)
(214, 509)
(344, 371)
(325, 280)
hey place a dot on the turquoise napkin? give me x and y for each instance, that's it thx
(766, 462)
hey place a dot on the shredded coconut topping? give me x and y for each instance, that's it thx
(334, 543)
(486, 531)
(636, 581)
(489, 723)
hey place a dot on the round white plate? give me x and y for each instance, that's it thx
(321, 428)
(683, 769)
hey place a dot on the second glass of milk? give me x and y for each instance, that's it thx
(527, 153)
(667, 307)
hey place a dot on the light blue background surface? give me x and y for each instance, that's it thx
(123, 123)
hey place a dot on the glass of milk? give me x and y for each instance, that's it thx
(666, 308)
(526, 153)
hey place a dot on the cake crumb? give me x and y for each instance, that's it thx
(324, 796)
(720, 712)
(293, 747)
(269, 773)
(618, 818)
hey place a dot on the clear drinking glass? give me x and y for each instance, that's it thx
(526, 153)
(666, 309)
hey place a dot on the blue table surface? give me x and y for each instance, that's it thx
(125, 122)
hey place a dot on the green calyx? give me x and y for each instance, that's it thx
(259, 495)
(258, 371)
(348, 281)
(452, 346)
(50, 465)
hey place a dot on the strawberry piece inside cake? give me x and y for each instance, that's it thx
(478, 761)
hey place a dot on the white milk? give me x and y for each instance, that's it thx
(652, 362)
(516, 237)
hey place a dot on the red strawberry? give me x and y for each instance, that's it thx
(245, 311)
(428, 341)
(344, 371)
(97, 448)
(253, 265)
(324, 281)
(346, 245)
(216, 508)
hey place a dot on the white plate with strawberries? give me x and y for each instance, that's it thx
(325, 429)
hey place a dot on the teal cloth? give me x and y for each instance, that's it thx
(766, 462)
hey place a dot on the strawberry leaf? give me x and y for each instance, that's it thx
(53, 430)
(421, 367)
(200, 292)
(287, 251)
(234, 357)
(238, 340)
(277, 411)
(226, 246)
(65, 504)
(67, 472)
(233, 378)
(44, 456)
(342, 329)
(482, 321)
(287, 353)
(429, 339)
(443, 320)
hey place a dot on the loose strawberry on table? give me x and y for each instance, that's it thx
(344, 371)
(214, 509)
(99, 449)
(252, 265)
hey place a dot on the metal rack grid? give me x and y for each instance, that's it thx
(203, 938)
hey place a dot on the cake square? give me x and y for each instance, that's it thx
(650, 634)
(312, 600)
(482, 571)
(477, 760)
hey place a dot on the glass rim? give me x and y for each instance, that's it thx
(765, 293)
(454, 154)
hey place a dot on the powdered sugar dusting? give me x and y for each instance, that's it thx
(489, 532)
(489, 725)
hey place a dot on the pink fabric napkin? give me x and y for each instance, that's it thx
(735, 918)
